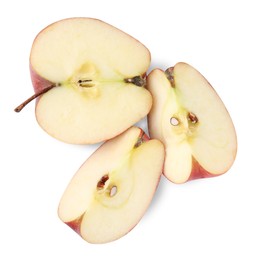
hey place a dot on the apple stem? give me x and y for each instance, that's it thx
(22, 105)
(169, 75)
(137, 80)
(140, 140)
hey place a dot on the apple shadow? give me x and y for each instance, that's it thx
(163, 65)
(158, 196)
(162, 190)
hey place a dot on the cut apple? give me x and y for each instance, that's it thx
(111, 191)
(192, 122)
(91, 76)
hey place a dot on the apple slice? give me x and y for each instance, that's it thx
(91, 76)
(192, 122)
(111, 191)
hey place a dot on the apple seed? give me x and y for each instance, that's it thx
(83, 83)
(113, 191)
(192, 117)
(174, 121)
(102, 182)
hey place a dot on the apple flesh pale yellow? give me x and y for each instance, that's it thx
(89, 80)
(112, 190)
(192, 122)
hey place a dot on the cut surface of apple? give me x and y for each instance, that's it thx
(191, 120)
(97, 73)
(111, 191)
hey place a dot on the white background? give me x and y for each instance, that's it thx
(204, 219)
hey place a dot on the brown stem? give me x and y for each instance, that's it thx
(22, 105)
(170, 77)
(137, 80)
(140, 140)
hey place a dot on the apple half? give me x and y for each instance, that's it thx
(192, 122)
(89, 80)
(111, 191)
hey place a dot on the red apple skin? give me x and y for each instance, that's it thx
(76, 224)
(39, 83)
(199, 172)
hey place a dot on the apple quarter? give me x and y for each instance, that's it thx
(112, 190)
(192, 122)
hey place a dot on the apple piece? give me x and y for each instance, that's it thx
(91, 76)
(111, 191)
(192, 122)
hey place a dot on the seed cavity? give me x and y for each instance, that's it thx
(85, 83)
(102, 182)
(174, 121)
(192, 118)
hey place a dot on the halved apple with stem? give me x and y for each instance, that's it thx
(89, 77)
(191, 120)
(111, 191)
